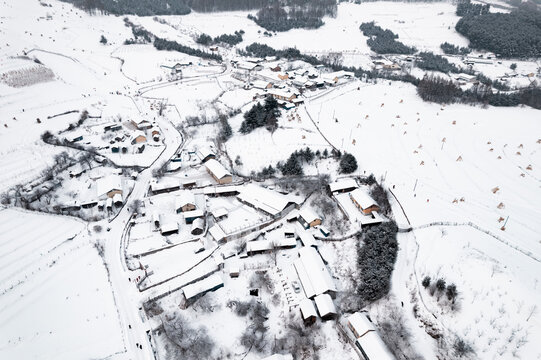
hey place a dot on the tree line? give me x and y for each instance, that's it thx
(231, 39)
(141, 35)
(440, 90)
(383, 41)
(451, 49)
(515, 34)
(290, 14)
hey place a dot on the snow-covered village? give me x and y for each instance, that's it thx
(270, 179)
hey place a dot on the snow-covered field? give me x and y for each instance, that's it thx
(55, 299)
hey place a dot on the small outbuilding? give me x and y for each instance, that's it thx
(308, 311)
(325, 306)
(198, 226)
(218, 172)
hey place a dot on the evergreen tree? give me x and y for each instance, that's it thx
(348, 164)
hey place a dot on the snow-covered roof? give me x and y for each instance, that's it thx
(204, 152)
(164, 184)
(260, 84)
(374, 347)
(169, 226)
(306, 238)
(343, 184)
(217, 233)
(219, 212)
(214, 190)
(285, 241)
(308, 215)
(325, 306)
(362, 198)
(185, 198)
(217, 169)
(283, 93)
(193, 214)
(259, 245)
(207, 284)
(315, 277)
(360, 323)
(198, 223)
(117, 198)
(108, 183)
(307, 308)
(263, 199)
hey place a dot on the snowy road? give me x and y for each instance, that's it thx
(126, 294)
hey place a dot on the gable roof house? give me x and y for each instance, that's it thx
(138, 137)
(309, 218)
(363, 201)
(185, 202)
(108, 187)
(218, 172)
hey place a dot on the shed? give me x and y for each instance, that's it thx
(199, 288)
(217, 233)
(234, 270)
(359, 324)
(169, 228)
(198, 226)
(308, 311)
(205, 153)
(190, 216)
(325, 306)
(117, 199)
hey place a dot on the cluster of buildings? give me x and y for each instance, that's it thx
(286, 86)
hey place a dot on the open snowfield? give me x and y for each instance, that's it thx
(55, 298)
(424, 25)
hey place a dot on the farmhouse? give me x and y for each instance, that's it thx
(261, 84)
(308, 218)
(216, 191)
(108, 186)
(308, 311)
(325, 306)
(185, 202)
(164, 186)
(363, 201)
(283, 95)
(313, 273)
(138, 137)
(141, 124)
(205, 153)
(343, 185)
(218, 172)
(202, 287)
(267, 201)
(258, 247)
